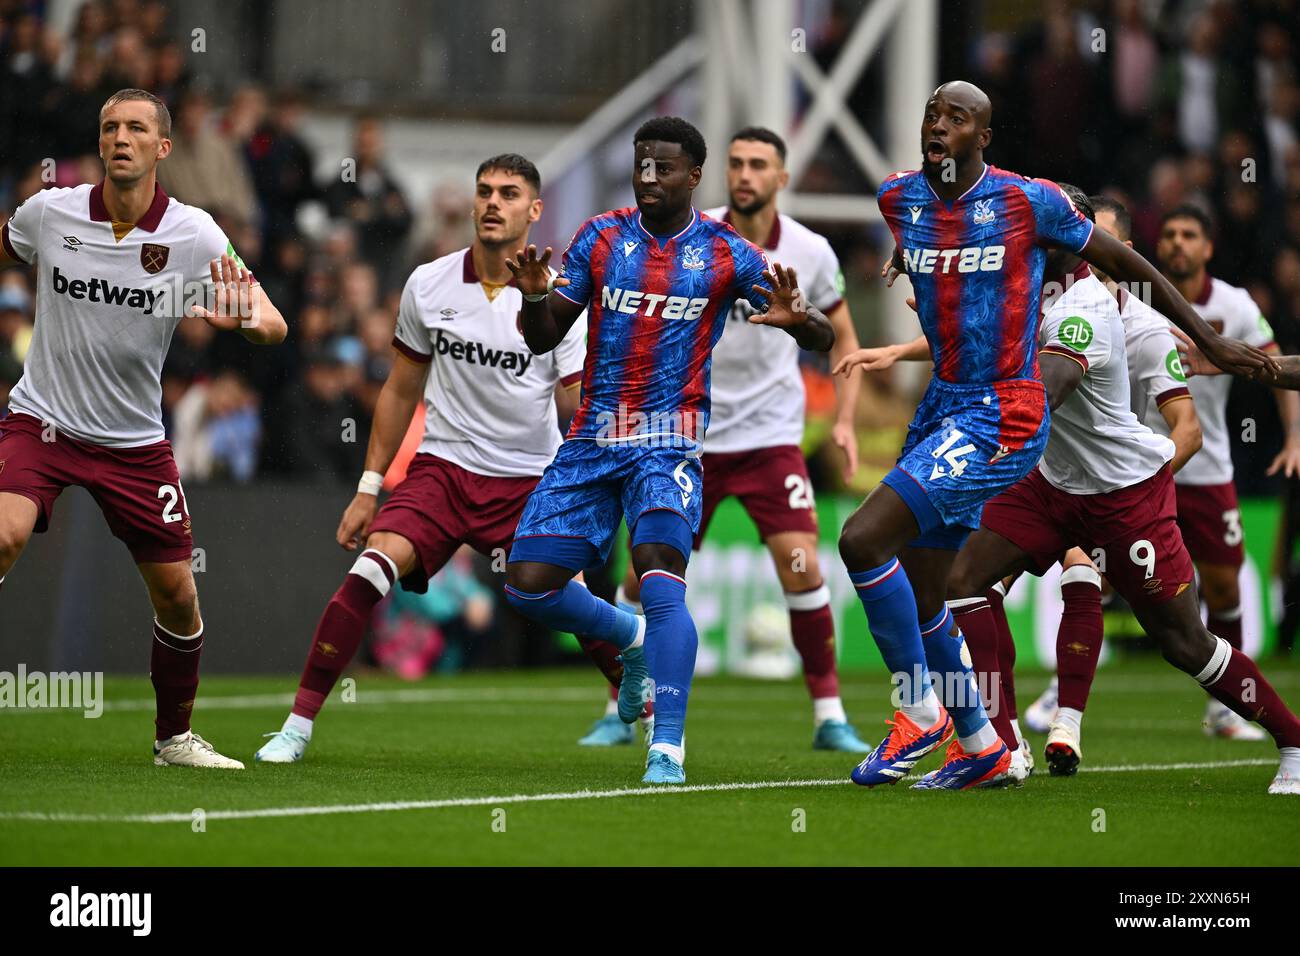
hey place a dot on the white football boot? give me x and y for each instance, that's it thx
(1288, 773)
(1041, 713)
(1062, 752)
(285, 746)
(1221, 722)
(190, 750)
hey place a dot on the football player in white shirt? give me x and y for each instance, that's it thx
(1104, 483)
(1208, 512)
(491, 428)
(116, 264)
(752, 447)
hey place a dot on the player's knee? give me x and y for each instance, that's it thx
(799, 569)
(10, 548)
(529, 577)
(860, 548)
(1220, 591)
(1188, 651)
(963, 581)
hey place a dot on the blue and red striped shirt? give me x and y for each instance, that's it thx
(656, 306)
(976, 266)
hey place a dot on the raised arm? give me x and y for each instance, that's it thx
(546, 315)
(788, 310)
(1125, 265)
(843, 431)
(882, 357)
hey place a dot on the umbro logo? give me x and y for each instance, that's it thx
(628, 247)
(916, 212)
(447, 314)
(1001, 453)
(70, 243)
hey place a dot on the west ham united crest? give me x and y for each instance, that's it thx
(153, 257)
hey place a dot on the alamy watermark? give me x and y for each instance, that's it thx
(73, 690)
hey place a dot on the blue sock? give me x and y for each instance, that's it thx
(576, 610)
(950, 662)
(886, 593)
(671, 643)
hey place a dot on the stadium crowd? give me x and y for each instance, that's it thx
(1178, 101)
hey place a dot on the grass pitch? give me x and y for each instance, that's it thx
(484, 769)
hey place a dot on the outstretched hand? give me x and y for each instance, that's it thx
(786, 306)
(868, 360)
(234, 302)
(533, 275)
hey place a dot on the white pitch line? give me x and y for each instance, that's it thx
(543, 695)
(34, 816)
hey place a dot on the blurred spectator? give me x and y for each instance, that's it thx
(319, 430)
(205, 168)
(414, 632)
(368, 197)
(448, 226)
(216, 429)
(15, 333)
(281, 164)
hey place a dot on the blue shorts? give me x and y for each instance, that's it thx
(574, 512)
(966, 445)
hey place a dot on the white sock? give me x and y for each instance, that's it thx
(611, 706)
(925, 714)
(1015, 725)
(981, 740)
(299, 723)
(1290, 759)
(677, 753)
(1070, 717)
(828, 708)
(639, 640)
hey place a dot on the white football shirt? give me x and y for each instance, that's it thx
(489, 401)
(1232, 312)
(757, 390)
(106, 310)
(1097, 443)
(1155, 371)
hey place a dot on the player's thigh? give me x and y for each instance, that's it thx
(1175, 626)
(1022, 529)
(662, 504)
(139, 492)
(795, 555)
(570, 519)
(985, 559)
(18, 514)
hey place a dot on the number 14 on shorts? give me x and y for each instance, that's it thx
(953, 456)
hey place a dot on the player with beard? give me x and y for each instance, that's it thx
(1104, 484)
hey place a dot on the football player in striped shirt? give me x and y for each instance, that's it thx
(658, 280)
